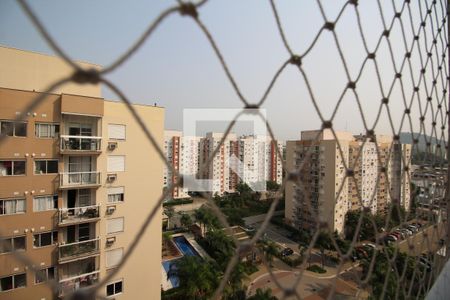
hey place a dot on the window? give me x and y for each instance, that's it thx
(13, 244)
(44, 275)
(114, 225)
(46, 166)
(45, 239)
(114, 288)
(43, 203)
(116, 131)
(12, 206)
(46, 130)
(115, 194)
(10, 128)
(113, 257)
(12, 167)
(13, 282)
(116, 163)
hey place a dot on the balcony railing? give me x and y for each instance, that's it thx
(70, 285)
(75, 143)
(78, 249)
(67, 216)
(79, 179)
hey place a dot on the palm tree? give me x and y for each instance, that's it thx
(262, 295)
(235, 289)
(185, 220)
(270, 250)
(170, 212)
(198, 279)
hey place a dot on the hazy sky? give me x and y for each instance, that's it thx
(178, 69)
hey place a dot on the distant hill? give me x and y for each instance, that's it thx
(419, 155)
(406, 138)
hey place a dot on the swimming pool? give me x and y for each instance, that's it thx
(184, 246)
(171, 265)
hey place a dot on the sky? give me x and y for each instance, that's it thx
(177, 68)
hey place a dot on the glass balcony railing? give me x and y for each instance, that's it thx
(78, 249)
(79, 179)
(78, 214)
(69, 143)
(70, 285)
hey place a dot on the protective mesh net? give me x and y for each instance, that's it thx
(407, 55)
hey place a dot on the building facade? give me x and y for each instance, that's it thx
(323, 191)
(76, 184)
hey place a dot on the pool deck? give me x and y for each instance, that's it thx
(190, 238)
(167, 284)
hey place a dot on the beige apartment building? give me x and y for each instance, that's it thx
(323, 194)
(77, 180)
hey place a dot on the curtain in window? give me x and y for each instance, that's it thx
(9, 207)
(20, 206)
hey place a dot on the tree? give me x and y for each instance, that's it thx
(198, 278)
(272, 186)
(185, 220)
(206, 217)
(270, 250)
(262, 295)
(219, 246)
(234, 290)
(170, 212)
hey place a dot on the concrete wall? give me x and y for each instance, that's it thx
(143, 184)
(31, 71)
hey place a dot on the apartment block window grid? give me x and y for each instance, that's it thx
(433, 14)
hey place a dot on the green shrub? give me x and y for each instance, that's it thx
(316, 269)
(178, 202)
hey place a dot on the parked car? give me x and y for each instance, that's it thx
(391, 238)
(362, 252)
(409, 231)
(413, 228)
(418, 225)
(405, 232)
(287, 252)
(370, 245)
(402, 234)
(397, 235)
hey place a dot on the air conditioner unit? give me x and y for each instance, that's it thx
(110, 240)
(111, 177)
(112, 146)
(110, 210)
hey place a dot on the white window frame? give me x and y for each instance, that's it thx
(13, 168)
(44, 280)
(106, 258)
(3, 207)
(13, 248)
(54, 199)
(115, 232)
(116, 195)
(13, 283)
(53, 241)
(46, 166)
(113, 170)
(117, 138)
(14, 128)
(114, 287)
(51, 130)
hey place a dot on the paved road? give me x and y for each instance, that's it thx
(309, 283)
(426, 240)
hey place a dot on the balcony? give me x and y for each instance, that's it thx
(74, 144)
(84, 214)
(78, 249)
(79, 180)
(70, 285)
